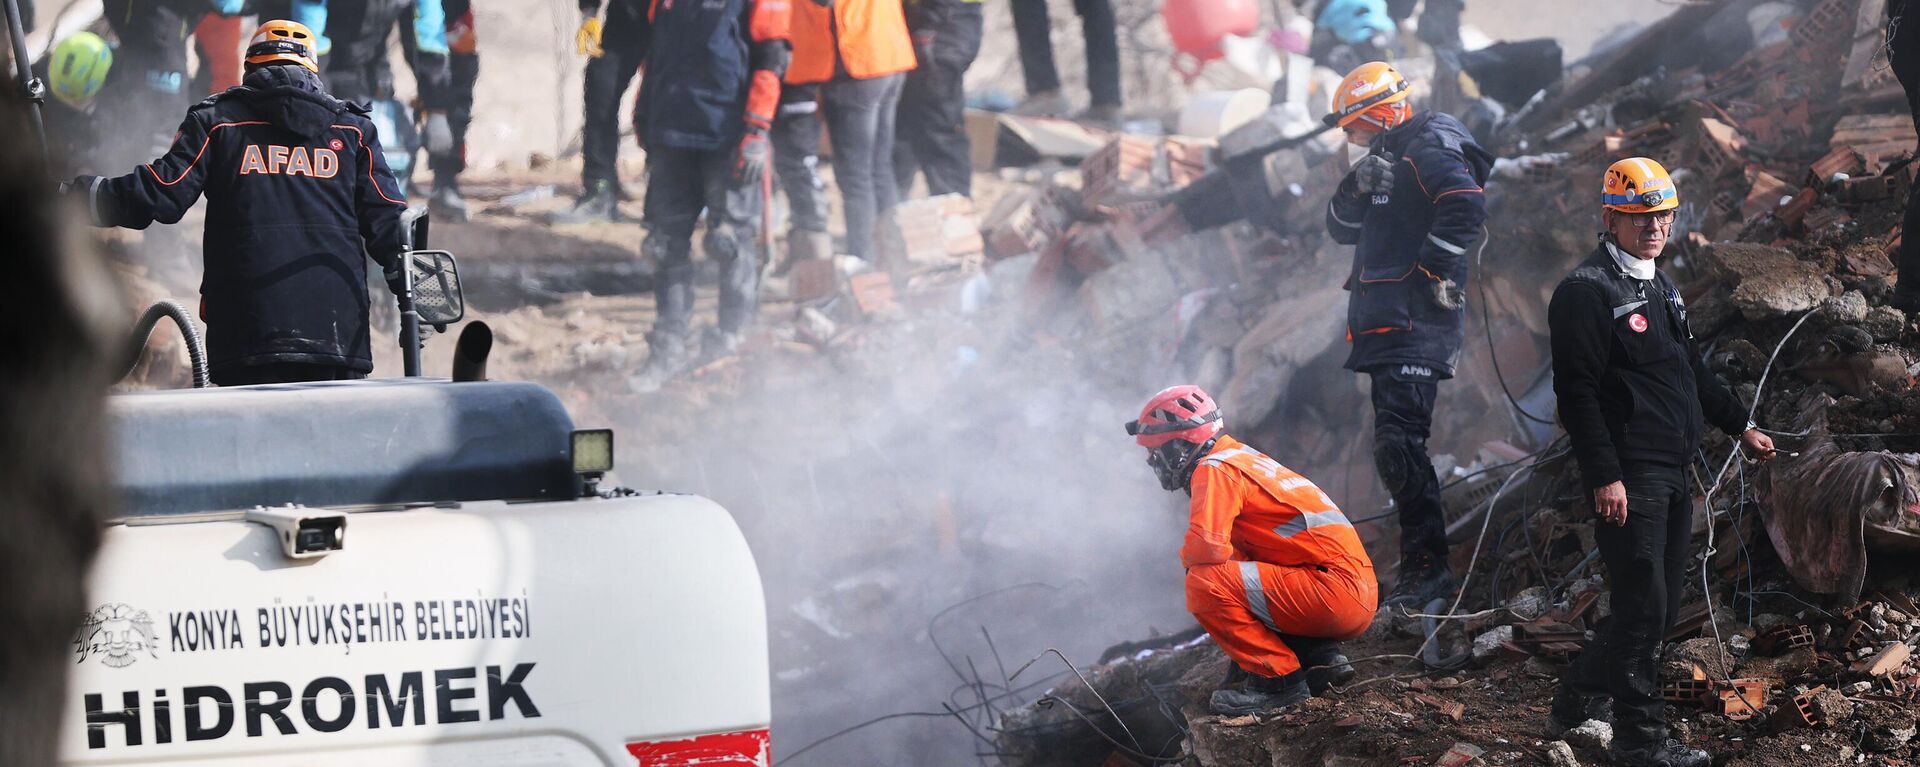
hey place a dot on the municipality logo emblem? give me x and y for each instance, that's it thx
(117, 634)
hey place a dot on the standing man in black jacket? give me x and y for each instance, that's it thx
(931, 128)
(614, 49)
(1412, 209)
(1633, 391)
(297, 190)
(1903, 55)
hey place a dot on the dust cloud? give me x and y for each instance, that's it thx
(916, 465)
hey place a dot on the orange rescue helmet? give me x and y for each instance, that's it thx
(1374, 92)
(282, 40)
(1177, 426)
(1638, 185)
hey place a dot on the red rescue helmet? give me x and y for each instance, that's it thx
(1177, 426)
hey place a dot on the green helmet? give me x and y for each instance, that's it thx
(78, 66)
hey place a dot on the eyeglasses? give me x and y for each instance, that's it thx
(1644, 220)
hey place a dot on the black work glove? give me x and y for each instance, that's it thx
(750, 158)
(1447, 295)
(1373, 174)
(396, 279)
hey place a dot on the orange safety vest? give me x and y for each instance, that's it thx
(1248, 507)
(868, 37)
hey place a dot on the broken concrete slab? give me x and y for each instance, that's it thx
(1592, 734)
(1560, 754)
(1771, 281)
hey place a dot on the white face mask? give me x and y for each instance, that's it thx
(1637, 268)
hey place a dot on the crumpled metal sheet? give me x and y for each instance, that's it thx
(1827, 503)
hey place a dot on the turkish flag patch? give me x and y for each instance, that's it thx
(1638, 322)
(336, 144)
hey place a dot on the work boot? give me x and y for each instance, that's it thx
(1261, 695)
(599, 202)
(1325, 664)
(1667, 753)
(1571, 709)
(716, 344)
(447, 204)
(1102, 114)
(1422, 580)
(1907, 302)
(804, 245)
(667, 358)
(1042, 104)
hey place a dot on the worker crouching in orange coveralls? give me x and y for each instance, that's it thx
(1274, 571)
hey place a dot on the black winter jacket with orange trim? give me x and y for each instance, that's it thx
(298, 196)
(1410, 238)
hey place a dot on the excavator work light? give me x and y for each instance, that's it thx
(592, 451)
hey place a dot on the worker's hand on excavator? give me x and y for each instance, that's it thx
(1758, 445)
(1610, 502)
(587, 40)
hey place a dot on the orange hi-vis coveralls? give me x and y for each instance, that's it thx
(1267, 553)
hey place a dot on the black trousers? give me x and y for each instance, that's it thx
(680, 184)
(1032, 27)
(1646, 572)
(146, 89)
(1903, 40)
(1403, 397)
(463, 71)
(623, 45)
(796, 156)
(860, 124)
(282, 372)
(932, 115)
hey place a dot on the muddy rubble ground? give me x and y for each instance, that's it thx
(1792, 205)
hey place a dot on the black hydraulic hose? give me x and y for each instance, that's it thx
(144, 329)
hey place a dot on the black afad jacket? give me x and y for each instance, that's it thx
(298, 196)
(1406, 241)
(1631, 384)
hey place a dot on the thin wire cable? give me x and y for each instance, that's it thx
(1486, 324)
(1134, 752)
(860, 726)
(1706, 557)
(1090, 688)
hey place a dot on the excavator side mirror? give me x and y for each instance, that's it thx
(436, 287)
(418, 224)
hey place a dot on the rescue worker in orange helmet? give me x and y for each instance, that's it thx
(1275, 573)
(1412, 209)
(1633, 391)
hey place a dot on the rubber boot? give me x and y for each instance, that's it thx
(1261, 695)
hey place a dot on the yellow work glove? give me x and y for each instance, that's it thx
(587, 40)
